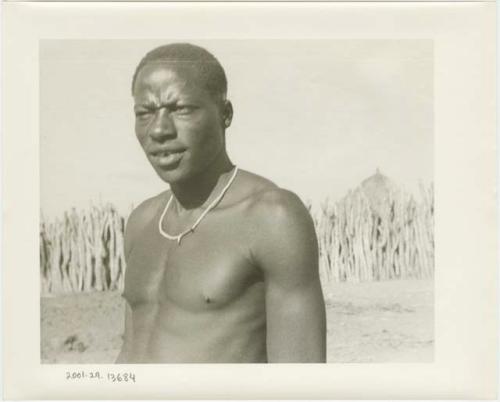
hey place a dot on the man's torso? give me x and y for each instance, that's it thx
(201, 300)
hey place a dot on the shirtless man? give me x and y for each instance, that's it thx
(223, 267)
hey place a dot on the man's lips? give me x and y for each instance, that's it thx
(167, 157)
(162, 151)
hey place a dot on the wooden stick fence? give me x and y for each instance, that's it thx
(83, 251)
(357, 242)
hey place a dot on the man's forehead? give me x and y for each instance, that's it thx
(178, 72)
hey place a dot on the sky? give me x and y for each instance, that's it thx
(315, 116)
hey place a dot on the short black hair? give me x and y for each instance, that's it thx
(204, 63)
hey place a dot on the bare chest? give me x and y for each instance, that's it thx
(209, 269)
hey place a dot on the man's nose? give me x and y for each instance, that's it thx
(163, 126)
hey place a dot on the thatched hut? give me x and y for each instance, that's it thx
(380, 191)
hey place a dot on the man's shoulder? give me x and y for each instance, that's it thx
(146, 211)
(278, 201)
(272, 203)
(283, 240)
(140, 217)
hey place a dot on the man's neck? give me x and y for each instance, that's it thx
(198, 190)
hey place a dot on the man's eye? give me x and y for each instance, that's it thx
(184, 109)
(142, 114)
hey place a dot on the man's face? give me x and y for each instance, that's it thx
(178, 123)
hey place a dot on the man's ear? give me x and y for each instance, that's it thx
(227, 113)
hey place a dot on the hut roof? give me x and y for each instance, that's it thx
(378, 186)
(378, 189)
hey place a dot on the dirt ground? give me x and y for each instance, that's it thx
(378, 322)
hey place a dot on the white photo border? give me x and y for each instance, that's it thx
(465, 166)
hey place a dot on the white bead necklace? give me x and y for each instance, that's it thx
(179, 237)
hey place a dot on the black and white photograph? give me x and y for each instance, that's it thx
(249, 200)
(236, 201)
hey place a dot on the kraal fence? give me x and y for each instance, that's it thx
(359, 240)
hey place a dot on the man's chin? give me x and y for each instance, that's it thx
(169, 177)
(172, 176)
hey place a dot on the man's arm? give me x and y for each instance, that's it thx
(125, 352)
(135, 222)
(287, 253)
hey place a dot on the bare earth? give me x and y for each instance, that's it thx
(368, 322)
